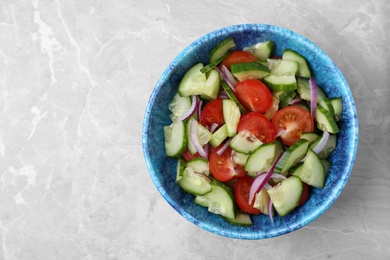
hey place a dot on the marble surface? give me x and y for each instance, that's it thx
(75, 78)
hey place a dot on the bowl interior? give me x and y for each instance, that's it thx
(163, 170)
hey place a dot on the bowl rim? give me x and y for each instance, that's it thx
(250, 235)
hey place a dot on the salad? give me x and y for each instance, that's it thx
(251, 132)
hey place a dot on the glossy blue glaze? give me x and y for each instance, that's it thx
(163, 170)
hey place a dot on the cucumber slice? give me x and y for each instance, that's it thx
(281, 82)
(329, 147)
(325, 121)
(212, 64)
(202, 133)
(285, 97)
(222, 49)
(303, 88)
(175, 139)
(312, 171)
(325, 103)
(245, 142)
(200, 165)
(303, 67)
(239, 158)
(292, 155)
(212, 86)
(194, 183)
(327, 164)
(261, 50)
(219, 201)
(179, 105)
(261, 201)
(242, 219)
(249, 70)
(231, 116)
(337, 104)
(286, 195)
(310, 136)
(219, 136)
(283, 67)
(231, 95)
(193, 82)
(181, 164)
(261, 159)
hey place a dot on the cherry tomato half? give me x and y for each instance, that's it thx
(257, 124)
(305, 194)
(222, 167)
(241, 195)
(293, 120)
(254, 95)
(212, 113)
(238, 57)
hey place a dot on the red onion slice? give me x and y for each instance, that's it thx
(191, 110)
(322, 143)
(225, 77)
(199, 109)
(224, 147)
(280, 133)
(261, 180)
(295, 101)
(313, 98)
(229, 75)
(270, 211)
(213, 127)
(278, 176)
(194, 139)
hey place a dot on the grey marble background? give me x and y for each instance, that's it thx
(75, 78)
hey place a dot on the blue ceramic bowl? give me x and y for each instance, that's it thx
(163, 170)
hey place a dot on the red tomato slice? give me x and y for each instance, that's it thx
(305, 194)
(293, 120)
(241, 195)
(238, 57)
(257, 124)
(212, 113)
(222, 167)
(254, 95)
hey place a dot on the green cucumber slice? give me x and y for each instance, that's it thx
(310, 136)
(219, 201)
(193, 81)
(303, 67)
(194, 183)
(245, 142)
(212, 86)
(239, 158)
(175, 138)
(231, 116)
(329, 147)
(219, 136)
(179, 105)
(200, 165)
(283, 67)
(222, 49)
(261, 201)
(337, 104)
(325, 103)
(285, 97)
(261, 50)
(202, 133)
(181, 164)
(327, 164)
(261, 159)
(249, 70)
(292, 155)
(231, 95)
(281, 82)
(286, 195)
(325, 121)
(212, 64)
(303, 88)
(312, 171)
(242, 219)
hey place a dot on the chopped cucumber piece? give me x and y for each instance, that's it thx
(303, 67)
(310, 136)
(337, 104)
(249, 70)
(239, 158)
(200, 165)
(312, 171)
(325, 121)
(242, 219)
(245, 142)
(286, 195)
(283, 67)
(329, 147)
(303, 88)
(194, 183)
(325, 103)
(231, 95)
(285, 97)
(219, 201)
(327, 164)
(219, 136)
(202, 133)
(193, 82)
(181, 164)
(212, 64)
(175, 139)
(292, 155)
(261, 201)
(261, 159)
(231, 116)
(179, 105)
(212, 86)
(222, 49)
(261, 50)
(281, 82)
